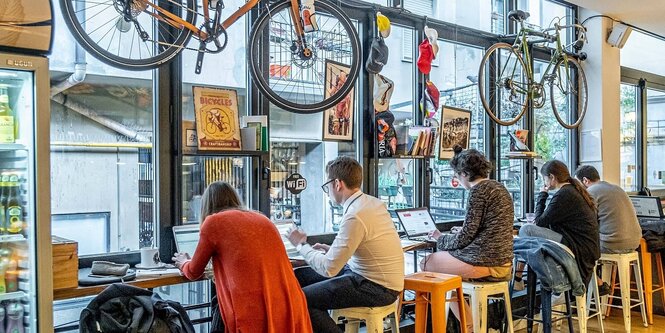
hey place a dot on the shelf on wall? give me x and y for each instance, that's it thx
(406, 157)
(522, 157)
(234, 153)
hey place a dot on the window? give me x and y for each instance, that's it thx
(644, 53)
(486, 15)
(457, 83)
(419, 7)
(629, 95)
(71, 226)
(544, 13)
(655, 139)
(101, 147)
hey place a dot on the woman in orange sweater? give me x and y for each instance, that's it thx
(256, 286)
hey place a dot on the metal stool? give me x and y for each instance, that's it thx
(479, 293)
(373, 318)
(624, 262)
(431, 288)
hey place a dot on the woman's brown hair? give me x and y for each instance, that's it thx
(217, 197)
(560, 172)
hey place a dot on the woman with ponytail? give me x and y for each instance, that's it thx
(570, 218)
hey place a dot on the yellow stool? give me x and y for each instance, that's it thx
(434, 285)
(647, 272)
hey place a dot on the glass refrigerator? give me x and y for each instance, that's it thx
(25, 237)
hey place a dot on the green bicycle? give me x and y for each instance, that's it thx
(507, 83)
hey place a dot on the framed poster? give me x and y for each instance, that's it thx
(217, 123)
(338, 120)
(455, 130)
(189, 141)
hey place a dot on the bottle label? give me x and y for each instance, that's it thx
(14, 216)
(308, 15)
(7, 129)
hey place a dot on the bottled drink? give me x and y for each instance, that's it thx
(307, 12)
(5, 253)
(7, 120)
(11, 276)
(14, 209)
(14, 317)
(2, 319)
(3, 201)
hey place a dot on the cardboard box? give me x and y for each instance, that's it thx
(65, 263)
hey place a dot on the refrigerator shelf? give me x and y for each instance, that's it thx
(12, 238)
(12, 146)
(12, 295)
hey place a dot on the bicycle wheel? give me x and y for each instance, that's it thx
(297, 83)
(569, 93)
(101, 29)
(503, 84)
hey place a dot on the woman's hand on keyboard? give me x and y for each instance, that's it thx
(435, 234)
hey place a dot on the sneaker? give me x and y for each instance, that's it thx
(604, 289)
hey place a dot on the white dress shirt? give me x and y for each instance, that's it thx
(367, 241)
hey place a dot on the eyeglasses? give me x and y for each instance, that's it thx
(324, 187)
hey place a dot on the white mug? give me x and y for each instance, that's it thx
(149, 257)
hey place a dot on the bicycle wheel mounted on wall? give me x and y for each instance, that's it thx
(298, 83)
(503, 84)
(102, 29)
(569, 93)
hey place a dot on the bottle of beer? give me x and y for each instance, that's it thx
(3, 202)
(14, 209)
(7, 120)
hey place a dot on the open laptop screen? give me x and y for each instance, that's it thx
(186, 238)
(416, 221)
(646, 206)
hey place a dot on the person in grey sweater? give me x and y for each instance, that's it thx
(483, 247)
(620, 231)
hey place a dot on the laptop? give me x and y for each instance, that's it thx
(186, 238)
(417, 223)
(648, 208)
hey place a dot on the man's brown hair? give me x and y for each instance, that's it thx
(347, 170)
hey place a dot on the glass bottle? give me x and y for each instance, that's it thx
(14, 209)
(7, 120)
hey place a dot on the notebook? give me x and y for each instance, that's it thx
(647, 208)
(283, 227)
(417, 223)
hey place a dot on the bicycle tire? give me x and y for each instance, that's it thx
(159, 55)
(483, 83)
(300, 101)
(581, 102)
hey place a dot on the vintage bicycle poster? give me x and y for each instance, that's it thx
(217, 122)
(338, 120)
(455, 130)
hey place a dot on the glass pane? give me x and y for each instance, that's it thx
(544, 14)
(628, 138)
(199, 171)
(655, 135)
(511, 171)
(458, 88)
(644, 53)
(396, 182)
(101, 145)
(486, 15)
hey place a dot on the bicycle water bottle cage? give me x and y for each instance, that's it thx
(518, 15)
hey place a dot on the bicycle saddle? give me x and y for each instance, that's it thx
(518, 15)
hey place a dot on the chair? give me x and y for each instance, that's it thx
(432, 288)
(479, 293)
(583, 306)
(623, 263)
(373, 317)
(647, 272)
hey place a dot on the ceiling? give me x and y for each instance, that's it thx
(647, 15)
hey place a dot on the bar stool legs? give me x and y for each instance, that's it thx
(624, 263)
(649, 290)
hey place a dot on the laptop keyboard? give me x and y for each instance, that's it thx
(651, 220)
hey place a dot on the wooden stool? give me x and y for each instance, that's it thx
(434, 285)
(647, 272)
(373, 318)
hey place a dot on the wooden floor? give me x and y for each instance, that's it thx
(614, 324)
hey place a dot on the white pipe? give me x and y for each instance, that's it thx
(77, 77)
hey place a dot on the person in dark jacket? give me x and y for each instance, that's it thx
(570, 218)
(483, 248)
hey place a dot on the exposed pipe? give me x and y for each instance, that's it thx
(101, 144)
(85, 111)
(80, 64)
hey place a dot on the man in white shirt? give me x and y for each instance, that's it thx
(364, 266)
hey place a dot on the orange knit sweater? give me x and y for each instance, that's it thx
(256, 287)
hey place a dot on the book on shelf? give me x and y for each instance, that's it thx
(260, 124)
(420, 140)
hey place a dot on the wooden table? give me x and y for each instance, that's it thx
(141, 282)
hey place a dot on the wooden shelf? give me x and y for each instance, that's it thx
(406, 157)
(239, 153)
(524, 157)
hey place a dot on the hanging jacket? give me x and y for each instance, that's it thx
(556, 268)
(122, 308)
(654, 233)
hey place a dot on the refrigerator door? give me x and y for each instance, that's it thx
(25, 244)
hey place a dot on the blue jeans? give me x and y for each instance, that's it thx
(346, 290)
(532, 230)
